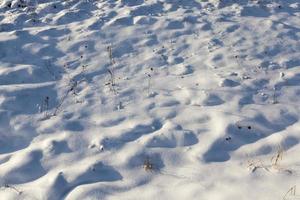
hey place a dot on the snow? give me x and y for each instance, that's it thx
(149, 99)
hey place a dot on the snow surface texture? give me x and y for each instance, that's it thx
(149, 99)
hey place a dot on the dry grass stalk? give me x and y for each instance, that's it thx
(148, 166)
(275, 160)
(291, 194)
(12, 188)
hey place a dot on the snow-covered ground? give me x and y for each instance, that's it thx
(149, 99)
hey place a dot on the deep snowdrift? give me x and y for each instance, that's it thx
(149, 99)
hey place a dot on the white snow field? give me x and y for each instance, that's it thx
(149, 99)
